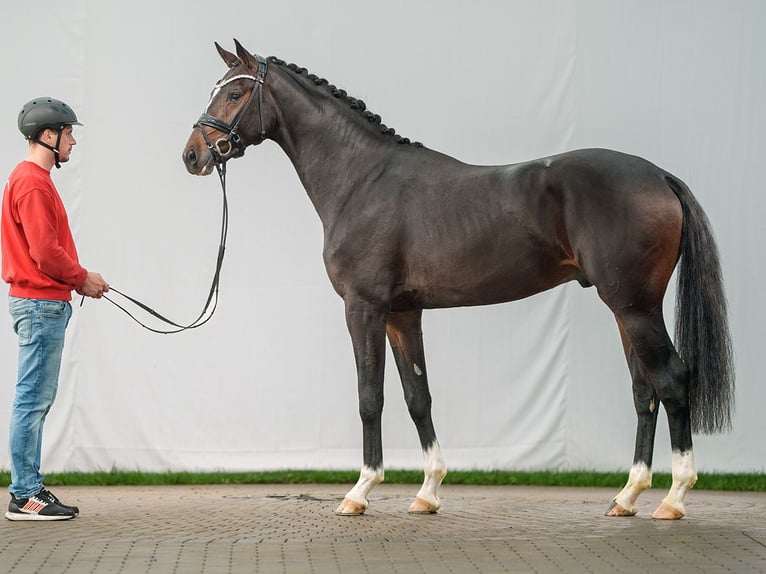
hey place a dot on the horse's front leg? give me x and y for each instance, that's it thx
(406, 339)
(367, 326)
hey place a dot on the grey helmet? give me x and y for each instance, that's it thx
(42, 113)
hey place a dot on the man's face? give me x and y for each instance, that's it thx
(64, 145)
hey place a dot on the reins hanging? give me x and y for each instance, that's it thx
(212, 297)
(221, 150)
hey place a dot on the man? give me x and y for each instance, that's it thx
(39, 261)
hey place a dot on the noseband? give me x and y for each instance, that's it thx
(222, 150)
(231, 145)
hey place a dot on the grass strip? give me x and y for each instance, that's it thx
(750, 482)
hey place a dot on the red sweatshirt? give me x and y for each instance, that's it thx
(39, 255)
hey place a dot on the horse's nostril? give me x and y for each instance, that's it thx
(191, 155)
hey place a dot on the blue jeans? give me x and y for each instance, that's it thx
(40, 325)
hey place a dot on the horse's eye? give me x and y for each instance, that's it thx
(234, 96)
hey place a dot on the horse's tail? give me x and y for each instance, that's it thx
(701, 330)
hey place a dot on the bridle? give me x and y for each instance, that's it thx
(222, 150)
(231, 145)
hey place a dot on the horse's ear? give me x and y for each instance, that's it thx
(230, 59)
(245, 57)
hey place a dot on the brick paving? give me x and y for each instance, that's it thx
(293, 529)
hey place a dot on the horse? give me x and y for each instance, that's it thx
(407, 228)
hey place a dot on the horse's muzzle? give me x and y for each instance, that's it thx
(197, 161)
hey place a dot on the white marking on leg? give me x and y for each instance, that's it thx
(639, 479)
(684, 477)
(369, 478)
(435, 470)
(417, 370)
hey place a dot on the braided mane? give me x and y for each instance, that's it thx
(354, 103)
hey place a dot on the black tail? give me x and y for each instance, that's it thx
(702, 330)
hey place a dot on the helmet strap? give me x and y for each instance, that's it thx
(55, 149)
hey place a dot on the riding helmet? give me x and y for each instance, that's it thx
(42, 113)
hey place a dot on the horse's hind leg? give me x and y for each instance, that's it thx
(406, 339)
(647, 404)
(669, 378)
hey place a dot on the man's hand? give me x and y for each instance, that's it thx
(94, 286)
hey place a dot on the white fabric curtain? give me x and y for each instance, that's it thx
(270, 382)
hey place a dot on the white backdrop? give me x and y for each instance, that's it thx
(270, 382)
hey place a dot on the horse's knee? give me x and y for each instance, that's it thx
(370, 405)
(370, 412)
(419, 406)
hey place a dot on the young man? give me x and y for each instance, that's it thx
(39, 261)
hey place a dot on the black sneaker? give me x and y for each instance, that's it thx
(57, 501)
(42, 506)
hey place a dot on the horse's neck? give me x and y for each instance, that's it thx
(330, 148)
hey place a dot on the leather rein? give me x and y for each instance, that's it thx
(222, 150)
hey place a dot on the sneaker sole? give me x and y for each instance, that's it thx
(22, 516)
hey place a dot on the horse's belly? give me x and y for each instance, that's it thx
(470, 287)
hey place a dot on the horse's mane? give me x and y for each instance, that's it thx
(354, 103)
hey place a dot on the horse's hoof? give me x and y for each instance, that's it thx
(616, 509)
(420, 506)
(350, 508)
(666, 512)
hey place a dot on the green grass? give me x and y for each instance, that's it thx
(754, 482)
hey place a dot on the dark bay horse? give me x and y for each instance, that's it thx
(407, 228)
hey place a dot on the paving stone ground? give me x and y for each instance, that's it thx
(293, 529)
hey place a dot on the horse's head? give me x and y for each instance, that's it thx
(233, 118)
